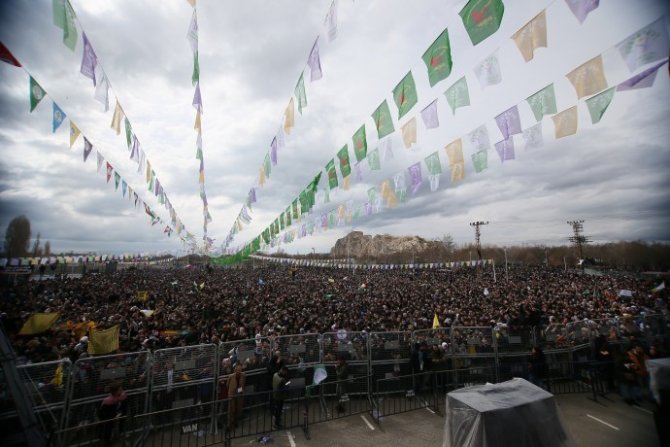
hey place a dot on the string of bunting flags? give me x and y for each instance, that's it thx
(192, 36)
(287, 123)
(647, 45)
(65, 18)
(343, 264)
(37, 93)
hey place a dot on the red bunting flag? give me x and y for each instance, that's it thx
(7, 56)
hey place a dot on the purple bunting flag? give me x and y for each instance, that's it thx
(89, 60)
(357, 172)
(505, 149)
(273, 151)
(197, 99)
(415, 177)
(314, 63)
(509, 122)
(643, 80)
(135, 153)
(100, 160)
(88, 147)
(429, 115)
(582, 8)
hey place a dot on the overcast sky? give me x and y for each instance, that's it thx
(613, 174)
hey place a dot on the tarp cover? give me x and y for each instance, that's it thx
(515, 413)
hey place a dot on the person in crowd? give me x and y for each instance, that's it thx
(342, 376)
(279, 394)
(113, 406)
(236, 383)
(537, 367)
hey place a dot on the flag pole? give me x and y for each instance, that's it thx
(494, 270)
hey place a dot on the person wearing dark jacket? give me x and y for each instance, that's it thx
(112, 406)
(279, 384)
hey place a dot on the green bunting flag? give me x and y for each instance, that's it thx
(332, 174)
(543, 102)
(480, 161)
(458, 95)
(373, 160)
(267, 165)
(433, 164)
(36, 93)
(117, 179)
(360, 143)
(295, 209)
(300, 93)
(598, 104)
(482, 18)
(438, 59)
(345, 165)
(129, 132)
(288, 216)
(404, 94)
(63, 16)
(195, 77)
(383, 121)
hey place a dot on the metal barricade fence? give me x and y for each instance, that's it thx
(390, 355)
(514, 339)
(183, 377)
(92, 377)
(47, 386)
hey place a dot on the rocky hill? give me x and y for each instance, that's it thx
(359, 245)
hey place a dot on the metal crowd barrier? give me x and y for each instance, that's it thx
(384, 368)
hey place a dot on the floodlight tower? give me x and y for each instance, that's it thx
(578, 238)
(478, 235)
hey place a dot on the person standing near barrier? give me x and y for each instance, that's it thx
(342, 375)
(236, 383)
(112, 406)
(279, 383)
(537, 367)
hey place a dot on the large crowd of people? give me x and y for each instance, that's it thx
(158, 308)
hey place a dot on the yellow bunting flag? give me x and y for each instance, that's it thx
(117, 117)
(289, 121)
(104, 341)
(198, 123)
(74, 133)
(565, 123)
(388, 194)
(58, 376)
(346, 183)
(142, 295)
(38, 323)
(588, 78)
(455, 152)
(261, 177)
(457, 172)
(533, 35)
(409, 133)
(436, 321)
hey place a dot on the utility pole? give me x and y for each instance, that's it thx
(578, 238)
(478, 235)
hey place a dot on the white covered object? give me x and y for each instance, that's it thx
(515, 413)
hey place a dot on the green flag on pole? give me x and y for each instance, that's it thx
(438, 59)
(458, 95)
(360, 143)
(482, 18)
(383, 121)
(404, 94)
(345, 165)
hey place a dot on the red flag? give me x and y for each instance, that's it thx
(110, 170)
(7, 56)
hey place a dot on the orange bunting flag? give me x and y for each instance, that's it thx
(565, 123)
(588, 78)
(533, 35)
(409, 133)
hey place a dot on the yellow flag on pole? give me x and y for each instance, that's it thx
(142, 295)
(436, 321)
(565, 123)
(531, 36)
(588, 78)
(409, 133)
(38, 323)
(104, 341)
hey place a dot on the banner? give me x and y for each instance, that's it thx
(38, 323)
(458, 95)
(531, 36)
(482, 18)
(104, 341)
(404, 94)
(438, 59)
(383, 121)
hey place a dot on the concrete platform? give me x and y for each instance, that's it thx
(606, 423)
